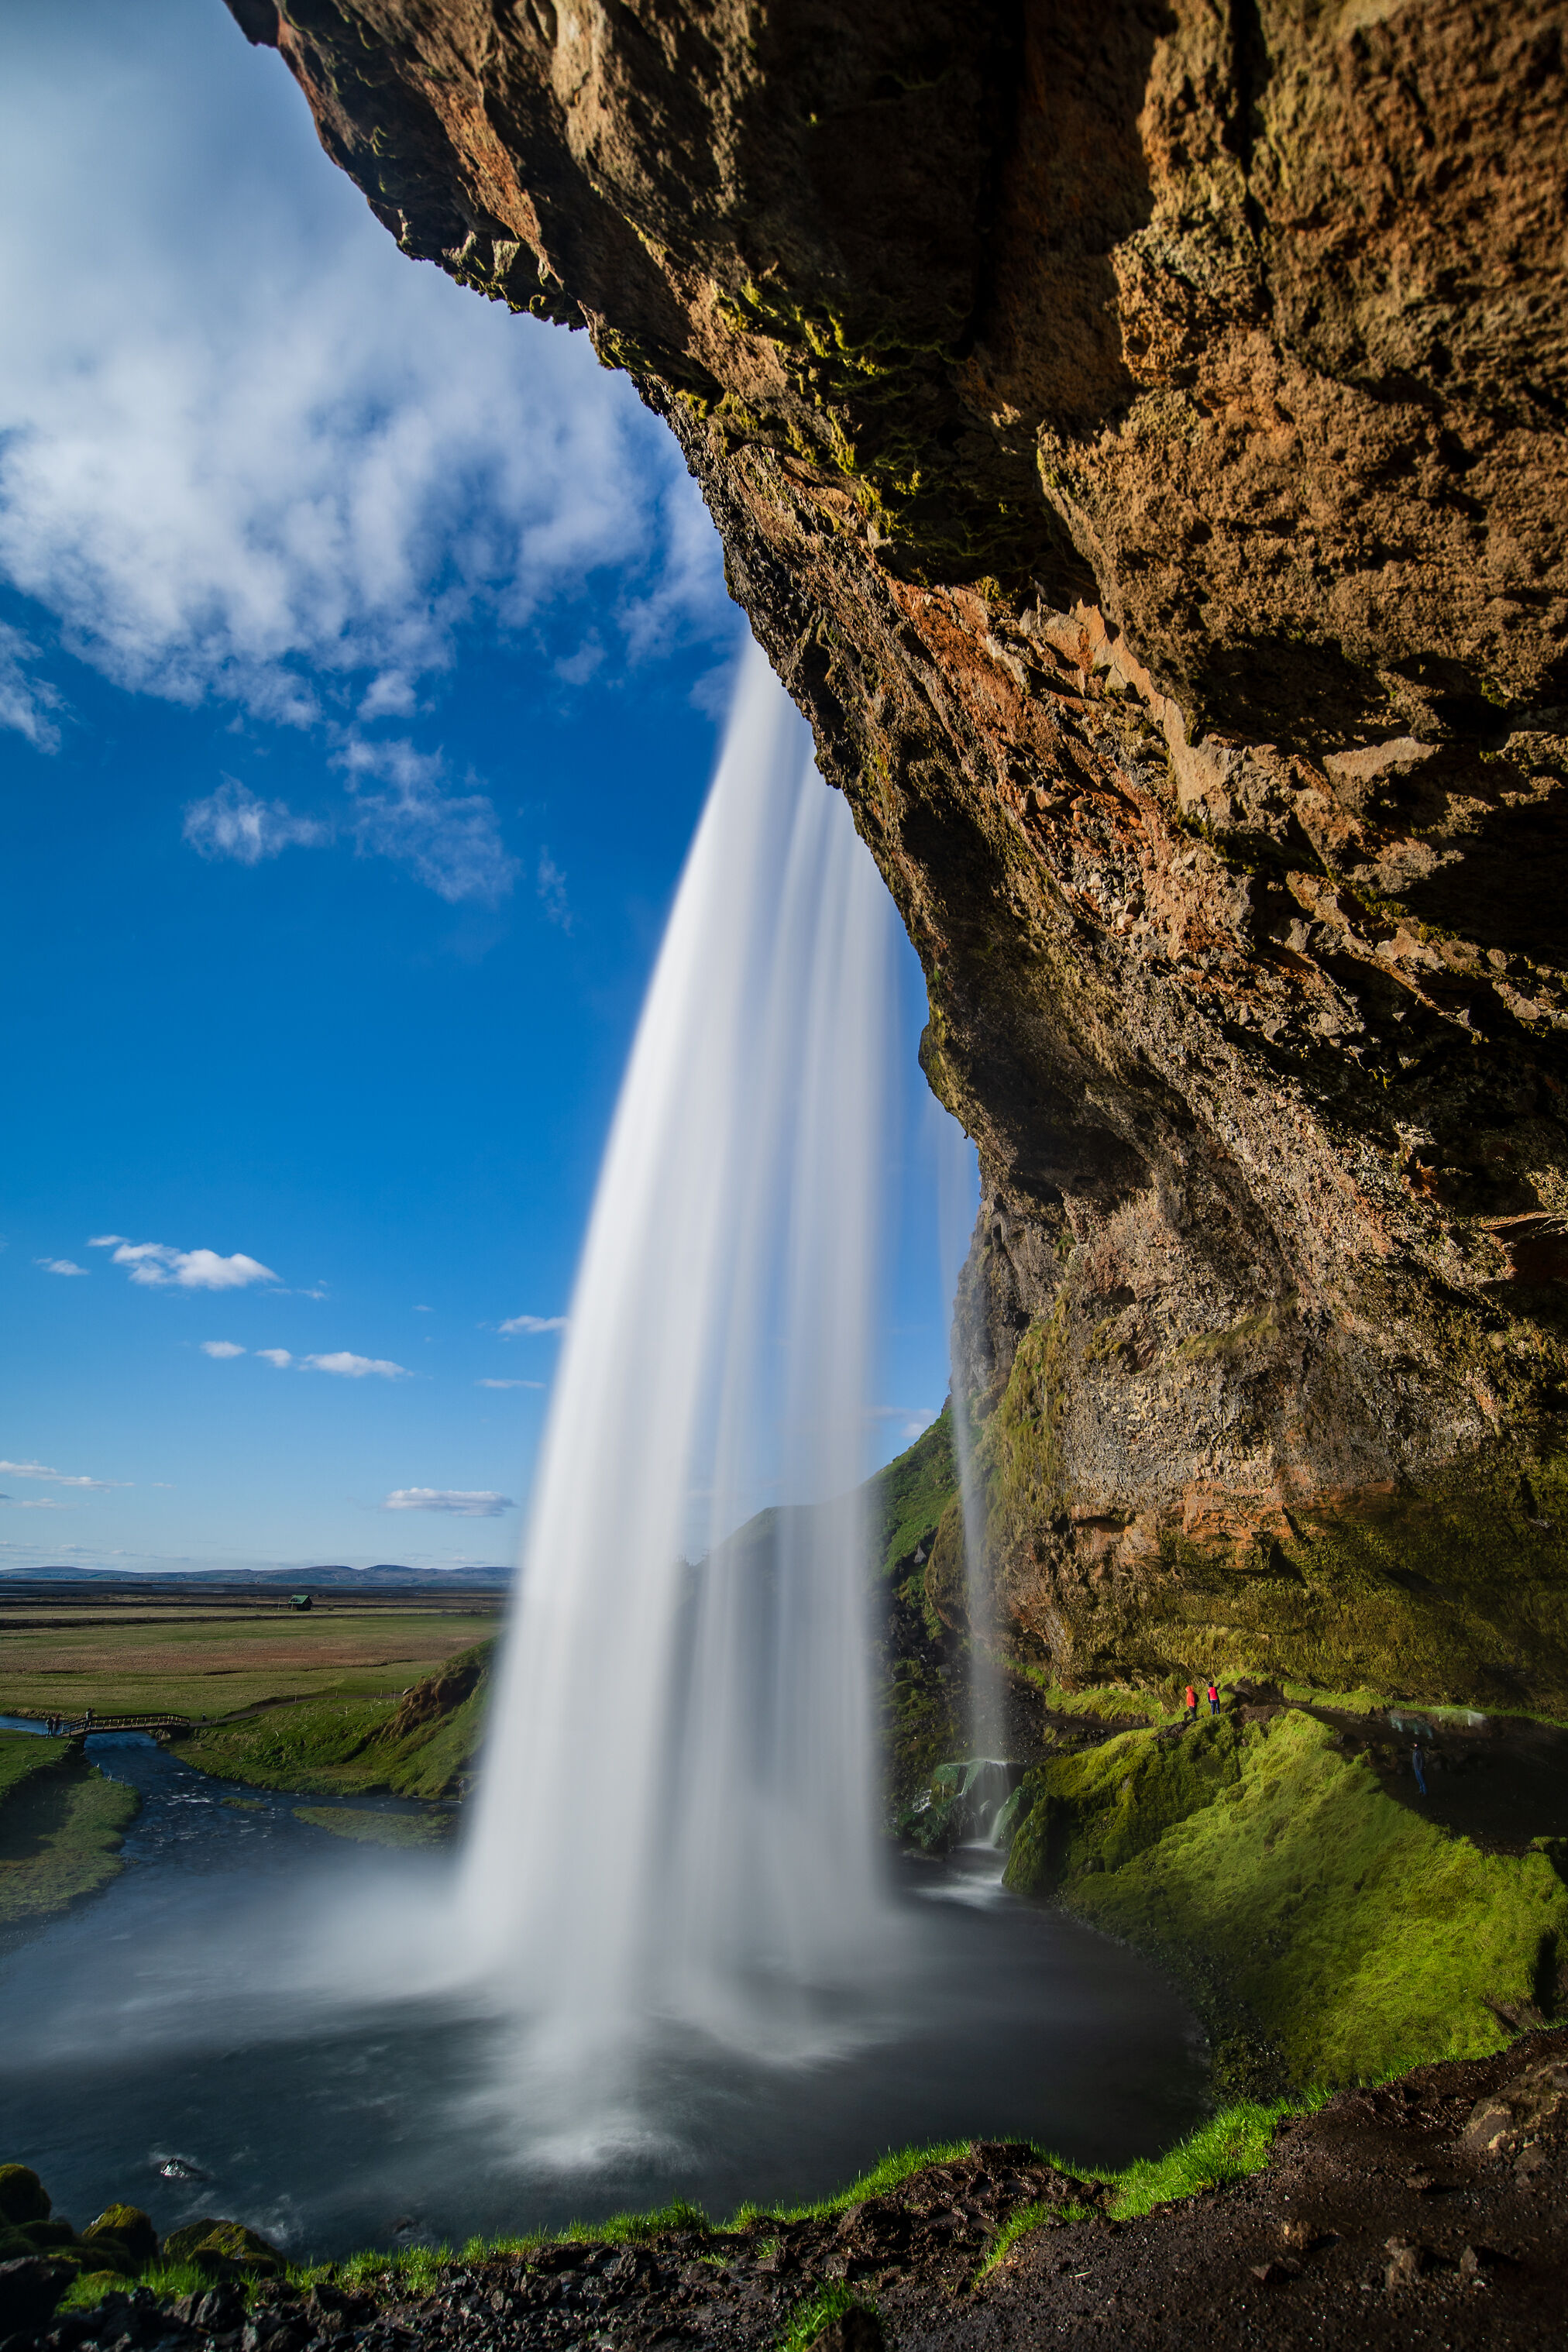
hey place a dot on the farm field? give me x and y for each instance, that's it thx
(122, 1651)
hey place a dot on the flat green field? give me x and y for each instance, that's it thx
(206, 1659)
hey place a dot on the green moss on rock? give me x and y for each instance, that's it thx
(1300, 1901)
(23, 2196)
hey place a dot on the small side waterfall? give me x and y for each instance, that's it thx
(986, 1726)
(675, 1809)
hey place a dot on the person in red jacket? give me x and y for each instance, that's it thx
(1214, 1697)
(1192, 1714)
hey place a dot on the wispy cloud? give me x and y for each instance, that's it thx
(550, 885)
(457, 1502)
(234, 823)
(509, 1384)
(279, 1355)
(913, 1419)
(59, 1477)
(221, 1349)
(26, 703)
(356, 1367)
(156, 1265)
(402, 809)
(39, 1503)
(61, 1265)
(524, 1326)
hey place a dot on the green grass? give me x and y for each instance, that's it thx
(62, 1822)
(908, 1497)
(1299, 1899)
(402, 1830)
(415, 1743)
(185, 1660)
(1231, 2145)
(819, 2310)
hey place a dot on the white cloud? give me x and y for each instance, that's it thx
(257, 453)
(60, 1266)
(26, 702)
(356, 1367)
(509, 1384)
(233, 823)
(155, 1264)
(58, 1478)
(221, 1349)
(450, 841)
(550, 883)
(41, 1503)
(104, 1241)
(521, 1325)
(914, 1419)
(279, 1355)
(457, 1502)
(425, 1310)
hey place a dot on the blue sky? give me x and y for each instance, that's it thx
(363, 651)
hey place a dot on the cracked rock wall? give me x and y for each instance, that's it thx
(1137, 438)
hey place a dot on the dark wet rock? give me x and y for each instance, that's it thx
(23, 2196)
(30, 2287)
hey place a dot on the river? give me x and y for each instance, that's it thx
(166, 2044)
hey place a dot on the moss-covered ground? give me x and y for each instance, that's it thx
(416, 1743)
(61, 1826)
(1328, 1933)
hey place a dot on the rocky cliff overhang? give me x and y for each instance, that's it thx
(1137, 436)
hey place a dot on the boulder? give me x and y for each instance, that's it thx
(223, 2249)
(23, 2196)
(125, 2226)
(29, 2289)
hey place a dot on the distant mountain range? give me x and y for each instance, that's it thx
(300, 1578)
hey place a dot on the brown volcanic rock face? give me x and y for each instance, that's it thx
(1137, 438)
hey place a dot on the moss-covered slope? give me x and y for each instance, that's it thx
(1329, 1933)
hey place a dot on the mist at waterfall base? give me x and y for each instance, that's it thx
(671, 1957)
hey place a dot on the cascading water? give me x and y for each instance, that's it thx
(986, 1726)
(673, 1879)
(676, 1809)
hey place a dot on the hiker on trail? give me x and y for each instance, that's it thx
(1214, 1697)
(1192, 1713)
(1417, 1767)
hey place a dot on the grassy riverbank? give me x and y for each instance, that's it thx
(416, 1743)
(62, 1822)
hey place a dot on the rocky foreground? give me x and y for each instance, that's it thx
(1433, 2210)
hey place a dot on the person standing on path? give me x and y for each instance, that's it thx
(1417, 1766)
(1214, 1696)
(1192, 1713)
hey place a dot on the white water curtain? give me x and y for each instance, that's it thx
(676, 1813)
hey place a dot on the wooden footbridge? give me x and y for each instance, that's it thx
(88, 1724)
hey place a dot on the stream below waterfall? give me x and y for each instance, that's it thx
(150, 2028)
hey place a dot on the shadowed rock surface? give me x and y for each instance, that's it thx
(1137, 439)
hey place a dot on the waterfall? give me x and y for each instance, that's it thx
(985, 1729)
(676, 1809)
